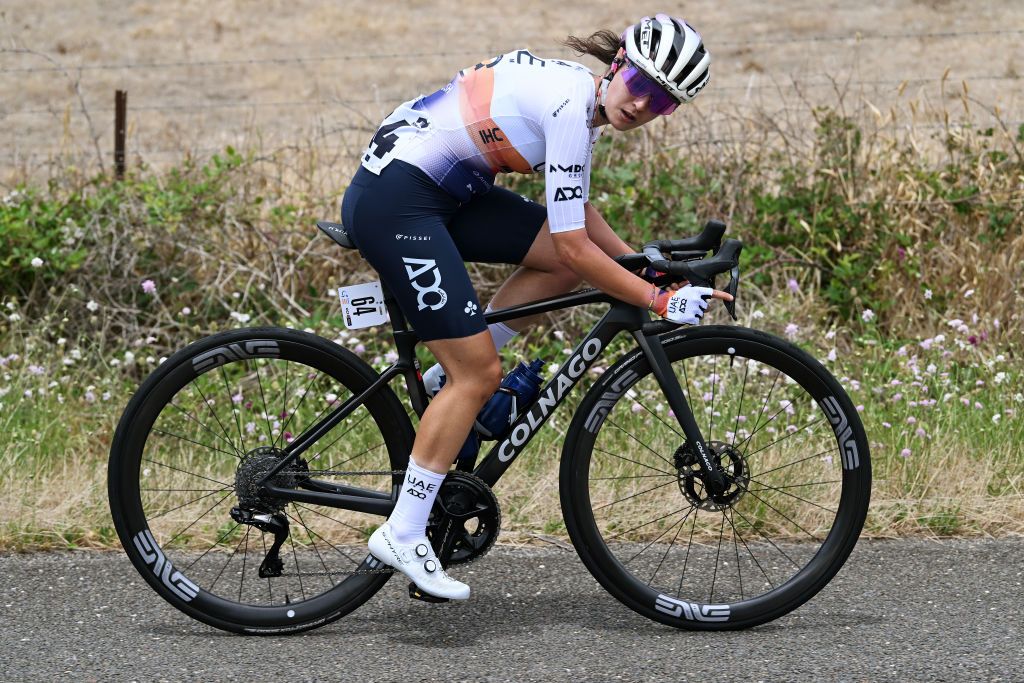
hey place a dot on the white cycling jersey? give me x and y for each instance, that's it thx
(518, 113)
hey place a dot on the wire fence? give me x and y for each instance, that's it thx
(328, 149)
(843, 84)
(362, 121)
(209, 63)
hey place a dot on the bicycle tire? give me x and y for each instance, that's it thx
(758, 497)
(143, 448)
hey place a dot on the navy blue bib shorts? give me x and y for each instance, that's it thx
(417, 236)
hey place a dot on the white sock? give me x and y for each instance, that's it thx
(501, 334)
(409, 519)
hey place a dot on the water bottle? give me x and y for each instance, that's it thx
(519, 388)
(466, 458)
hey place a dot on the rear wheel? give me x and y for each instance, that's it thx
(194, 441)
(793, 450)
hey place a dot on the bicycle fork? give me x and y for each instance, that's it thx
(652, 349)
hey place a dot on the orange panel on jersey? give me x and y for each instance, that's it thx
(475, 91)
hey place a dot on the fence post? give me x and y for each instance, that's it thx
(120, 115)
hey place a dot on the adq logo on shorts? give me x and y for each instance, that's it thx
(427, 296)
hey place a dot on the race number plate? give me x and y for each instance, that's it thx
(363, 305)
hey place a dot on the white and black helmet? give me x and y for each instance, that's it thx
(671, 52)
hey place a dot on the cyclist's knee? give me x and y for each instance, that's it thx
(478, 382)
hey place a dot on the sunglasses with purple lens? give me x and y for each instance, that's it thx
(639, 84)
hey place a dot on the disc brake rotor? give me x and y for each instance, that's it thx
(691, 479)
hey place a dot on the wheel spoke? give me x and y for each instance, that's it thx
(781, 514)
(245, 557)
(193, 474)
(231, 403)
(796, 462)
(340, 436)
(794, 486)
(193, 522)
(230, 557)
(622, 457)
(689, 545)
(718, 555)
(736, 550)
(298, 572)
(770, 541)
(654, 540)
(739, 409)
(791, 495)
(656, 453)
(689, 509)
(639, 493)
(302, 398)
(263, 397)
(209, 404)
(760, 412)
(192, 441)
(682, 523)
(632, 476)
(789, 434)
(194, 500)
(336, 521)
(309, 532)
(212, 546)
(357, 455)
(235, 454)
(658, 417)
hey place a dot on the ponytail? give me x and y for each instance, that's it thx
(602, 45)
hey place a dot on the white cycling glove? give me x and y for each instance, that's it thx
(684, 306)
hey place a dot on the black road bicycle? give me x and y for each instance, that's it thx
(714, 477)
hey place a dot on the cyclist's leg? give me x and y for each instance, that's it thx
(473, 371)
(398, 221)
(540, 274)
(504, 227)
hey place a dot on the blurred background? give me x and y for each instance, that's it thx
(869, 155)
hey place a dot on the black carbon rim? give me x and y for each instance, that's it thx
(209, 421)
(652, 535)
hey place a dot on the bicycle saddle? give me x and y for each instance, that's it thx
(338, 233)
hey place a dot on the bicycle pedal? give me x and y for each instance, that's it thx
(416, 594)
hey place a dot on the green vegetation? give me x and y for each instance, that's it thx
(897, 269)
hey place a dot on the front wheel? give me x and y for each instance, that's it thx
(793, 450)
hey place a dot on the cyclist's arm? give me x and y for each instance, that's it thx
(601, 233)
(589, 260)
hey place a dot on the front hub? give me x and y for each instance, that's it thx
(691, 477)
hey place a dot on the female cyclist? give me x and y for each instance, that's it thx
(423, 201)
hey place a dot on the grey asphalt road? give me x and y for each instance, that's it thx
(900, 610)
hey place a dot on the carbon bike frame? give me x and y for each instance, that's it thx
(621, 317)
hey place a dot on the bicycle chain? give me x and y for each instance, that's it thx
(386, 569)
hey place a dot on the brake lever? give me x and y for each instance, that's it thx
(732, 288)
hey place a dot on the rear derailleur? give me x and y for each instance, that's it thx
(276, 524)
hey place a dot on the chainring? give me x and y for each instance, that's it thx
(466, 507)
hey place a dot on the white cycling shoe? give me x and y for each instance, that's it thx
(417, 561)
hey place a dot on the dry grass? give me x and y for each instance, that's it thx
(917, 142)
(336, 103)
